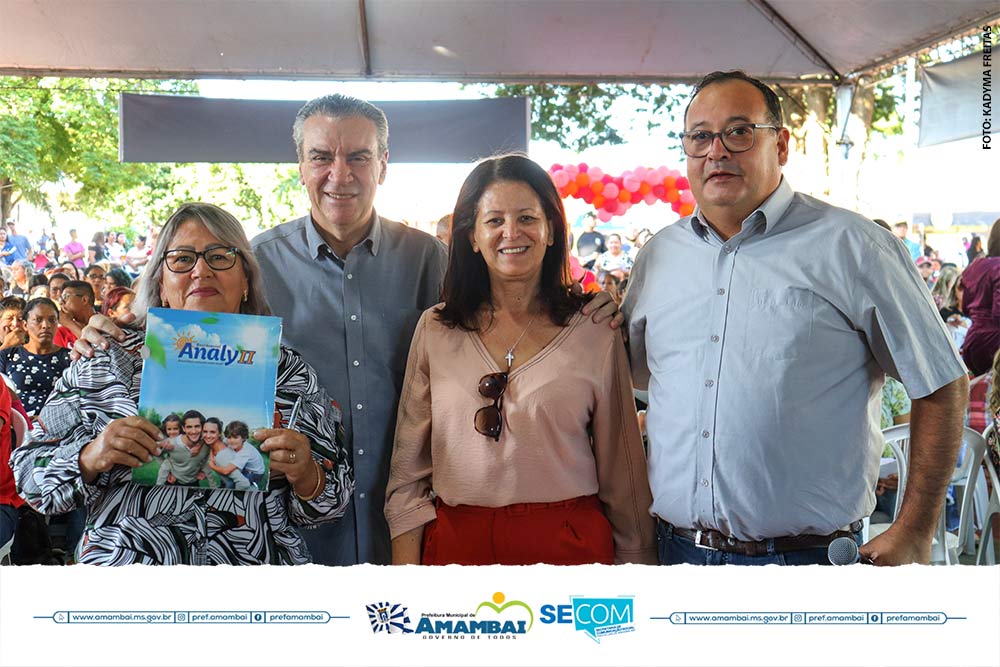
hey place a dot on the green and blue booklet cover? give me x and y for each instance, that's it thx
(208, 383)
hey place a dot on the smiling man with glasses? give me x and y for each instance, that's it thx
(763, 417)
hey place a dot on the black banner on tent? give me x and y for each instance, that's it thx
(169, 128)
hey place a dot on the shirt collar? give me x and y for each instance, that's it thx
(317, 246)
(771, 210)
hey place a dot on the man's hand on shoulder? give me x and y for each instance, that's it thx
(602, 307)
(96, 335)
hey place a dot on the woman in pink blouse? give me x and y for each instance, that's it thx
(516, 438)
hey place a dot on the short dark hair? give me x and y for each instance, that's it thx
(59, 275)
(12, 303)
(83, 285)
(774, 112)
(119, 277)
(93, 266)
(216, 421)
(36, 280)
(237, 429)
(36, 302)
(171, 418)
(193, 414)
(467, 281)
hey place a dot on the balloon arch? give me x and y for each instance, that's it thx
(614, 195)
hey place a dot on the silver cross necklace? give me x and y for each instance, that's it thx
(510, 352)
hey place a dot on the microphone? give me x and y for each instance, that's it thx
(843, 551)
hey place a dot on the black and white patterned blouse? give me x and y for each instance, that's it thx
(33, 374)
(129, 523)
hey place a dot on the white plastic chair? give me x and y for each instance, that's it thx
(946, 546)
(985, 554)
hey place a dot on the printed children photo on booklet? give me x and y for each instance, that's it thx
(208, 384)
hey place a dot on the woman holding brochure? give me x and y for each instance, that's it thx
(530, 451)
(83, 449)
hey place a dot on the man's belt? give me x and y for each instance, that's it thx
(713, 539)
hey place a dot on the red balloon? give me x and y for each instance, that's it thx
(683, 184)
(676, 205)
(659, 191)
(554, 168)
(636, 197)
(587, 195)
(582, 167)
(611, 205)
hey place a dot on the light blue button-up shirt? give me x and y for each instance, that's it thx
(352, 319)
(764, 356)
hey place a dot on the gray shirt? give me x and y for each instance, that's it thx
(352, 319)
(764, 357)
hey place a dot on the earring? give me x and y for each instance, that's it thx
(246, 293)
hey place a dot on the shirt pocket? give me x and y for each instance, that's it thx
(779, 322)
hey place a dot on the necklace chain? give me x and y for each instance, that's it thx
(510, 351)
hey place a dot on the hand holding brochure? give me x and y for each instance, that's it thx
(208, 383)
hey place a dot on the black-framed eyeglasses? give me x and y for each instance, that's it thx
(218, 258)
(489, 420)
(736, 138)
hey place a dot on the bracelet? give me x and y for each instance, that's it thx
(320, 484)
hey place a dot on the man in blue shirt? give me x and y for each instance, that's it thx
(21, 244)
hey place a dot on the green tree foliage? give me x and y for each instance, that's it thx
(64, 132)
(578, 116)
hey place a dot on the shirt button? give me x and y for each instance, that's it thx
(350, 276)
(361, 452)
(361, 495)
(354, 317)
(357, 363)
(359, 406)
(727, 248)
(704, 482)
(709, 383)
(705, 434)
(715, 339)
(722, 290)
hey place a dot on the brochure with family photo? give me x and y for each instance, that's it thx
(208, 383)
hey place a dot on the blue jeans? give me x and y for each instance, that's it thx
(676, 550)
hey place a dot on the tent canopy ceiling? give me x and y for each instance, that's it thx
(473, 40)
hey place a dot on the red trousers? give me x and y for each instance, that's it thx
(568, 532)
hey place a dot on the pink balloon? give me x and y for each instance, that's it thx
(603, 216)
(687, 197)
(571, 169)
(554, 168)
(631, 183)
(610, 191)
(560, 178)
(649, 198)
(583, 167)
(595, 173)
